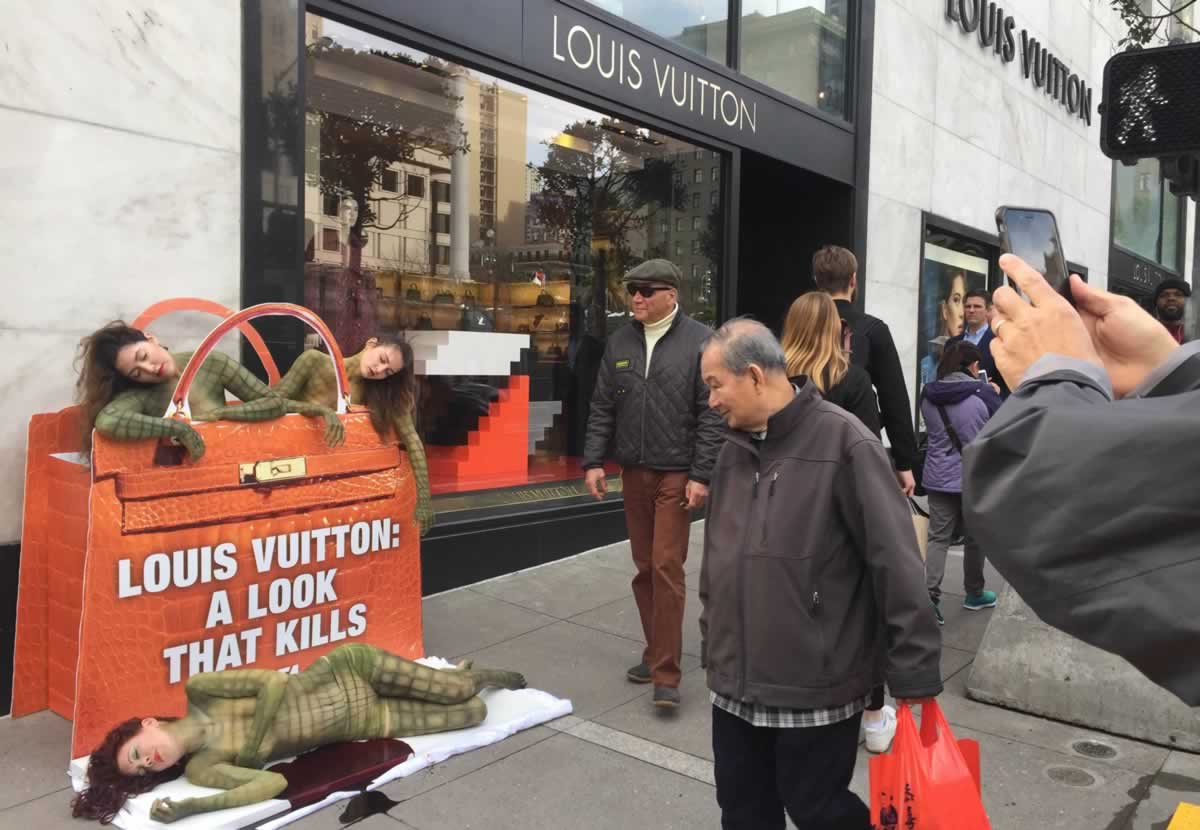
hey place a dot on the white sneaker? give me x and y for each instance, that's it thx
(879, 736)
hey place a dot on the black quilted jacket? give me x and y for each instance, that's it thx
(661, 421)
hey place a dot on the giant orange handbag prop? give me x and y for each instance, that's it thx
(267, 552)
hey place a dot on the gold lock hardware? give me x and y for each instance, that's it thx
(268, 472)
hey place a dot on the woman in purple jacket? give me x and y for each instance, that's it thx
(955, 407)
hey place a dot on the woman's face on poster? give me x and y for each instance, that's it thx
(952, 306)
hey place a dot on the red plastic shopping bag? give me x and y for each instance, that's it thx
(930, 780)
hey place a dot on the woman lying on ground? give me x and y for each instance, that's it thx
(238, 720)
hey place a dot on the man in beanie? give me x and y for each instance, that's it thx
(1170, 300)
(650, 414)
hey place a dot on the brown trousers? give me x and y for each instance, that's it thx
(658, 534)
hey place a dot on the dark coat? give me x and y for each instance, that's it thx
(856, 395)
(812, 584)
(662, 421)
(988, 364)
(872, 348)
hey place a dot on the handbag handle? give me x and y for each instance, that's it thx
(199, 304)
(179, 401)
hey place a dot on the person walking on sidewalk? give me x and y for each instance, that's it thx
(835, 271)
(650, 414)
(813, 347)
(955, 407)
(812, 589)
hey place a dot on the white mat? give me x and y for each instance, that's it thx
(508, 713)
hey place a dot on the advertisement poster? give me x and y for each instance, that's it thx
(946, 277)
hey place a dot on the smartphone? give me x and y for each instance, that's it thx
(983, 376)
(1032, 234)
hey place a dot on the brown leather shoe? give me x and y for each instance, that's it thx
(638, 674)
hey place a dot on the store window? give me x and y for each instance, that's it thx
(520, 241)
(1147, 217)
(799, 48)
(700, 25)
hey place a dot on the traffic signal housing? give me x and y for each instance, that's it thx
(1151, 109)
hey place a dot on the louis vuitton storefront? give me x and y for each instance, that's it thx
(477, 175)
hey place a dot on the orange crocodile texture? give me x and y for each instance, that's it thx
(496, 453)
(193, 509)
(201, 479)
(53, 536)
(122, 670)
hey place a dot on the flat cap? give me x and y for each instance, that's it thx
(661, 271)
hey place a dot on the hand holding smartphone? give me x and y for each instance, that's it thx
(1032, 234)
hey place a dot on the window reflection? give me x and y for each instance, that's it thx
(442, 200)
(799, 48)
(700, 25)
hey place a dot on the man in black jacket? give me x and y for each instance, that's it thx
(813, 591)
(835, 271)
(650, 414)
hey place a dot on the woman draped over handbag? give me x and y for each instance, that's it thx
(382, 377)
(127, 379)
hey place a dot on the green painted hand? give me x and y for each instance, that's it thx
(191, 441)
(167, 811)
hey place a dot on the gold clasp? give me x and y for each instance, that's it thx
(266, 472)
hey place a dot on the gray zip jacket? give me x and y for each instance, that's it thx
(812, 582)
(1090, 508)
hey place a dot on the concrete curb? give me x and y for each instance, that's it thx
(1026, 665)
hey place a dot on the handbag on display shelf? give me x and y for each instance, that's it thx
(545, 298)
(443, 298)
(413, 294)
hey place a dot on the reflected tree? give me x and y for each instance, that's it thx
(364, 131)
(598, 182)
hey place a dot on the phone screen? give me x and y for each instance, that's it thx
(1033, 236)
(983, 376)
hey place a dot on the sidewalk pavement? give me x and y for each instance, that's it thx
(572, 628)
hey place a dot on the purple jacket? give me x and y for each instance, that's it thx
(968, 403)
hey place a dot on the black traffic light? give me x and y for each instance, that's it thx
(1151, 104)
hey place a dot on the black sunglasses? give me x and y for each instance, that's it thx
(646, 291)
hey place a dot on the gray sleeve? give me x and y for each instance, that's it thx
(880, 522)
(1089, 508)
(1160, 373)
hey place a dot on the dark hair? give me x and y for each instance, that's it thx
(99, 381)
(957, 357)
(832, 268)
(108, 787)
(394, 396)
(980, 293)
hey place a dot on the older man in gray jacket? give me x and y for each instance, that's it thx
(813, 591)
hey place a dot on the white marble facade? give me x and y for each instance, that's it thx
(956, 132)
(120, 137)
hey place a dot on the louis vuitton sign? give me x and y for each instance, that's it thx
(995, 29)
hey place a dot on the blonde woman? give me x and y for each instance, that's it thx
(815, 350)
(813, 345)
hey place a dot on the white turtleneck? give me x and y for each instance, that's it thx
(654, 333)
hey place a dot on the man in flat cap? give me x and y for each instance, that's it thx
(650, 414)
(1170, 301)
